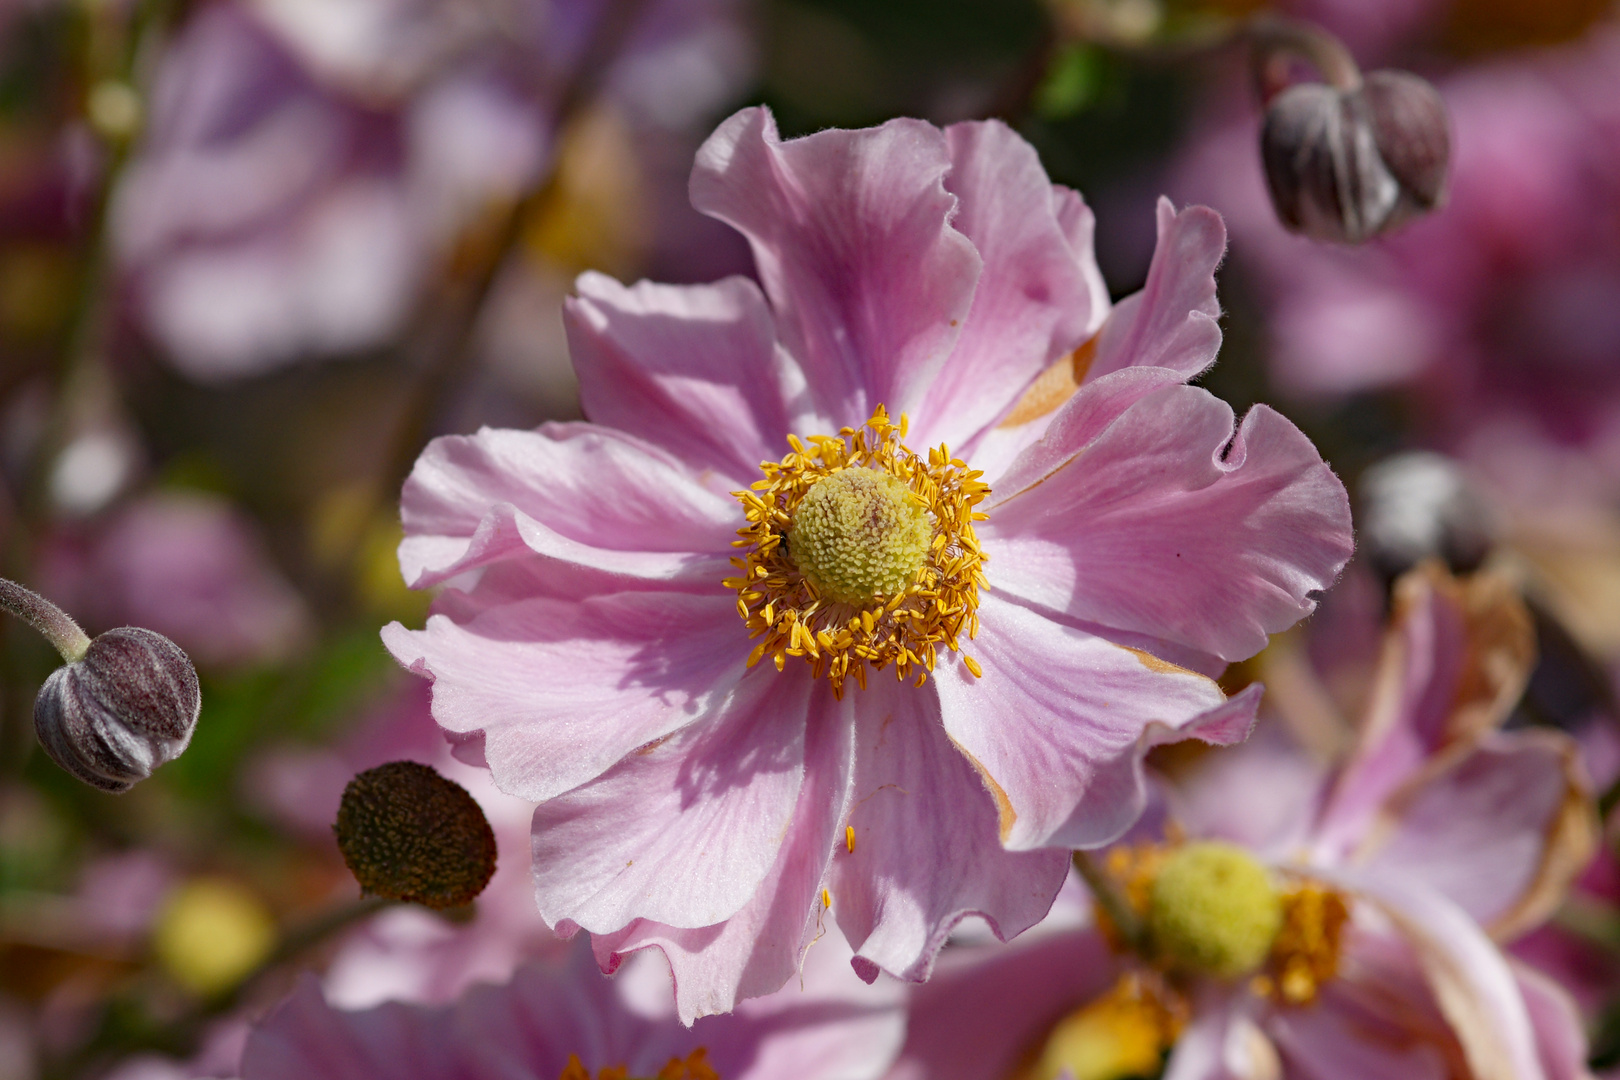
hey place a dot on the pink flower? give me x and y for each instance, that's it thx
(713, 730)
(1401, 876)
(563, 1020)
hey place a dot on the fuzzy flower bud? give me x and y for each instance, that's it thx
(124, 707)
(408, 833)
(1349, 163)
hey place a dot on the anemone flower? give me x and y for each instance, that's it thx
(562, 1021)
(756, 658)
(1301, 924)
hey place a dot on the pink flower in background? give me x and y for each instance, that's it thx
(716, 753)
(1441, 838)
(185, 565)
(551, 1015)
(307, 166)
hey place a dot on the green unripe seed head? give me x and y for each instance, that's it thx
(1212, 909)
(858, 535)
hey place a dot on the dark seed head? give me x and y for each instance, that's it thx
(127, 706)
(1347, 165)
(408, 833)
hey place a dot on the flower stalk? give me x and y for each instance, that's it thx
(1110, 899)
(54, 624)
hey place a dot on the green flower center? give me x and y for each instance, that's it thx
(860, 534)
(1213, 909)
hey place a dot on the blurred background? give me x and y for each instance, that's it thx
(254, 253)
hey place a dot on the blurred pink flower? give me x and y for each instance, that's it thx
(1497, 307)
(184, 565)
(693, 801)
(307, 164)
(831, 1026)
(1443, 836)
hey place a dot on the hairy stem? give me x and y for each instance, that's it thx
(51, 621)
(1277, 42)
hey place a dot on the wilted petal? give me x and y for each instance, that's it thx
(684, 830)
(1059, 723)
(1169, 525)
(693, 368)
(926, 846)
(851, 237)
(759, 949)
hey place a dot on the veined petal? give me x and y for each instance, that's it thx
(926, 849)
(1035, 300)
(1058, 724)
(575, 492)
(852, 239)
(1170, 525)
(561, 689)
(1171, 322)
(681, 831)
(693, 368)
(757, 950)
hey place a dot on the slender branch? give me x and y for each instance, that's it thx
(51, 621)
(1112, 902)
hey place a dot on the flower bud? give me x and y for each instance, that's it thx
(1347, 164)
(1418, 505)
(126, 706)
(408, 833)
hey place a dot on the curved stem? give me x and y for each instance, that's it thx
(51, 621)
(1276, 41)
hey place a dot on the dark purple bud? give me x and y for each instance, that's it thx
(408, 833)
(126, 706)
(1418, 505)
(1347, 164)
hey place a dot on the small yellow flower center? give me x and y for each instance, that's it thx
(859, 535)
(1124, 1033)
(1306, 952)
(860, 554)
(1213, 910)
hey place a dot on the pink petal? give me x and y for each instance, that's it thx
(577, 493)
(984, 1007)
(851, 237)
(760, 948)
(927, 848)
(1079, 226)
(1468, 976)
(1168, 525)
(1560, 1039)
(681, 831)
(1059, 723)
(1259, 795)
(1171, 322)
(1034, 301)
(1222, 1042)
(561, 690)
(693, 368)
(1502, 832)
(1337, 1038)
(307, 1038)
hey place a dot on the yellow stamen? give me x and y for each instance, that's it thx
(1123, 1033)
(826, 898)
(849, 838)
(695, 1066)
(908, 586)
(1306, 952)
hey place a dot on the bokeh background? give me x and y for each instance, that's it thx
(254, 253)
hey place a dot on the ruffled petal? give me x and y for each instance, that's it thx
(758, 949)
(1467, 975)
(1169, 525)
(692, 368)
(1034, 301)
(576, 493)
(561, 690)
(852, 239)
(1171, 322)
(926, 848)
(681, 831)
(1502, 832)
(984, 1007)
(1059, 723)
